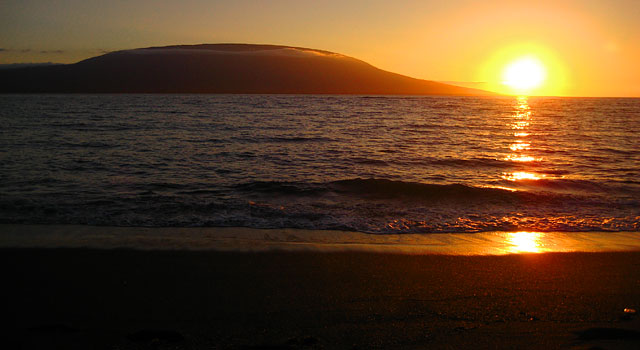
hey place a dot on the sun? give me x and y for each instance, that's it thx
(524, 74)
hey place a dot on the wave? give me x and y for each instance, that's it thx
(370, 205)
(469, 163)
(88, 144)
(368, 161)
(504, 191)
(457, 163)
(283, 139)
(295, 139)
(388, 189)
(382, 189)
(575, 186)
(280, 188)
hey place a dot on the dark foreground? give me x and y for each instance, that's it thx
(124, 299)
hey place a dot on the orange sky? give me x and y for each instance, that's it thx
(588, 47)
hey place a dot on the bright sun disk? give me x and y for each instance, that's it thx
(524, 74)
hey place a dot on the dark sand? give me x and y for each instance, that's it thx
(128, 299)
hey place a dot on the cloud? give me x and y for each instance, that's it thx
(29, 50)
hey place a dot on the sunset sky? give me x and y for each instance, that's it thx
(585, 47)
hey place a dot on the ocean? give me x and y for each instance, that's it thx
(371, 164)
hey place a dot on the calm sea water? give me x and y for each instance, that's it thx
(371, 164)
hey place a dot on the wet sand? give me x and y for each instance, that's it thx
(132, 299)
(243, 239)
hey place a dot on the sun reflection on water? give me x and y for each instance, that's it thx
(521, 175)
(520, 125)
(521, 120)
(524, 242)
(521, 158)
(519, 146)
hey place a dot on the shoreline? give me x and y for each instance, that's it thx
(242, 239)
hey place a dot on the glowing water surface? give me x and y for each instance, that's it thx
(374, 164)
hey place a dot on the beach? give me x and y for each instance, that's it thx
(85, 298)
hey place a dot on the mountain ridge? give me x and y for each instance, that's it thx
(221, 68)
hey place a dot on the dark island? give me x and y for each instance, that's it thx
(221, 68)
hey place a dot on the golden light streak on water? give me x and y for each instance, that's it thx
(520, 125)
(525, 242)
(521, 121)
(521, 175)
(519, 146)
(521, 158)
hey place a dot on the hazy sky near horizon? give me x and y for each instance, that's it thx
(589, 47)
